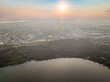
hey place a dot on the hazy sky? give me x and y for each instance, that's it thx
(50, 8)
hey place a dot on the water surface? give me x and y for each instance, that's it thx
(56, 70)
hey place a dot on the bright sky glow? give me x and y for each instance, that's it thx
(48, 8)
(63, 7)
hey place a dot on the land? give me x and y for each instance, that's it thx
(48, 39)
(68, 48)
(50, 30)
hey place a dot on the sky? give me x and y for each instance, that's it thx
(12, 9)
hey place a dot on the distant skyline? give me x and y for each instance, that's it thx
(10, 9)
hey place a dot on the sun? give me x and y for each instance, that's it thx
(62, 7)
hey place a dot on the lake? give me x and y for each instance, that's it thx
(56, 70)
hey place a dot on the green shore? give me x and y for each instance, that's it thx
(81, 48)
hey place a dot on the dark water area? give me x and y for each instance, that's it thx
(56, 70)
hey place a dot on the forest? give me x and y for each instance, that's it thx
(69, 48)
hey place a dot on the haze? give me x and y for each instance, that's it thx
(83, 9)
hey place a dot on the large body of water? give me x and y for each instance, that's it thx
(56, 70)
